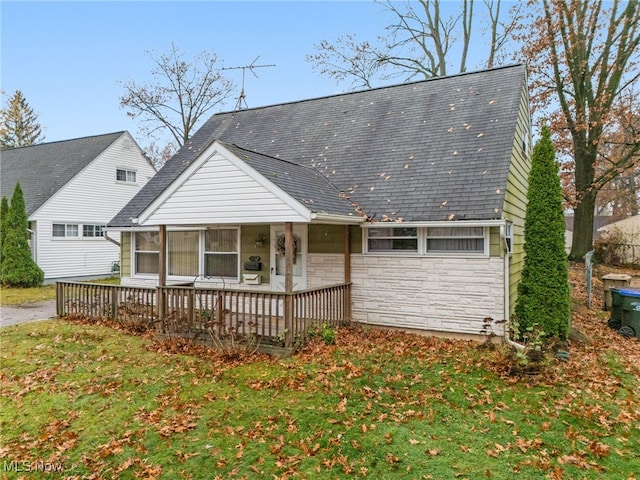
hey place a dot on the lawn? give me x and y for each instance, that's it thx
(15, 296)
(90, 401)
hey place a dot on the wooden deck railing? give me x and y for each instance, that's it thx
(199, 313)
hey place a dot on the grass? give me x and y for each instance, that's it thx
(17, 296)
(90, 401)
(102, 404)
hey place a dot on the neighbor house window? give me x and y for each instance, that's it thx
(92, 230)
(147, 252)
(128, 176)
(221, 253)
(397, 239)
(65, 230)
(455, 239)
(183, 249)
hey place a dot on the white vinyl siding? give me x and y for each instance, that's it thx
(219, 192)
(92, 197)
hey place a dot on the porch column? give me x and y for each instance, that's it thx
(347, 272)
(288, 284)
(162, 270)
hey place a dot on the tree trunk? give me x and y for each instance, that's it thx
(585, 158)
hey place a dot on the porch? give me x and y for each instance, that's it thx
(268, 318)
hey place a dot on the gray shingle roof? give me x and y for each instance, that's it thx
(420, 151)
(305, 184)
(45, 168)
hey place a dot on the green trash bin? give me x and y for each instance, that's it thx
(625, 304)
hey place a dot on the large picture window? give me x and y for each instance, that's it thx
(393, 239)
(221, 253)
(427, 240)
(455, 239)
(183, 249)
(146, 252)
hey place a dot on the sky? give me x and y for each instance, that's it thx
(69, 59)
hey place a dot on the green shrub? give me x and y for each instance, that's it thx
(544, 298)
(18, 267)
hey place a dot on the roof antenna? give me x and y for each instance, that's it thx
(250, 67)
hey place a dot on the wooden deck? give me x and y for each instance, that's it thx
(276, 318)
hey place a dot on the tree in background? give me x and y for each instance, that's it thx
(18, 267)
(178, 99)
(4, 211)
(544, 298)
(422, 40)
(582, 61)
(19, 125)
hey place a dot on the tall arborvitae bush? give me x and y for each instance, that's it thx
(18, 267)
(4, 212)
(544, 298)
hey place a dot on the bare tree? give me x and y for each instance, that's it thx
(422, 42)
(180, 96)
(582, 59)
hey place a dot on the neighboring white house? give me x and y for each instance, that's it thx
(627, 233)
(72, 188)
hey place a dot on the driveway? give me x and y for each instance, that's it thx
(27, 312)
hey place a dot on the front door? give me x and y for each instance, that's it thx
(278, 263)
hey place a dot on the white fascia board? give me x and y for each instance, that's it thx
(217, 147)
(327, 218)
(443, 223)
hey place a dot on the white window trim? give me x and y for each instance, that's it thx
(127, 172)
(201, 254)
(422, 242)
(66, 237)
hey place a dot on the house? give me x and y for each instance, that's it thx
(599, 221)
(625, 237)
(72, 188)
(413, 194)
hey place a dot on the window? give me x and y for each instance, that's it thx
(455, 239)
(508, 236)
(183, 249)
(128, 176)
(392, 239)
(93, 230)
(426, 240)
(146, 252)
(65, 230)
(221, 253)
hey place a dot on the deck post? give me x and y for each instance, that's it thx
(288, 284)
(59, 299)
(347, 273)
(162, 271)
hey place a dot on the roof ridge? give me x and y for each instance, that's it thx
(382, 87)
(43, 144)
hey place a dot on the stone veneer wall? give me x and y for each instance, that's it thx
(452, 295)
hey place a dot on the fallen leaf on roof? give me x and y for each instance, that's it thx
(450, 130)
(444, 203)
(492, 102)
(480, 135)
(451, 216)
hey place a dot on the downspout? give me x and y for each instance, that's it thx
(507, 312)
(107, 237)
